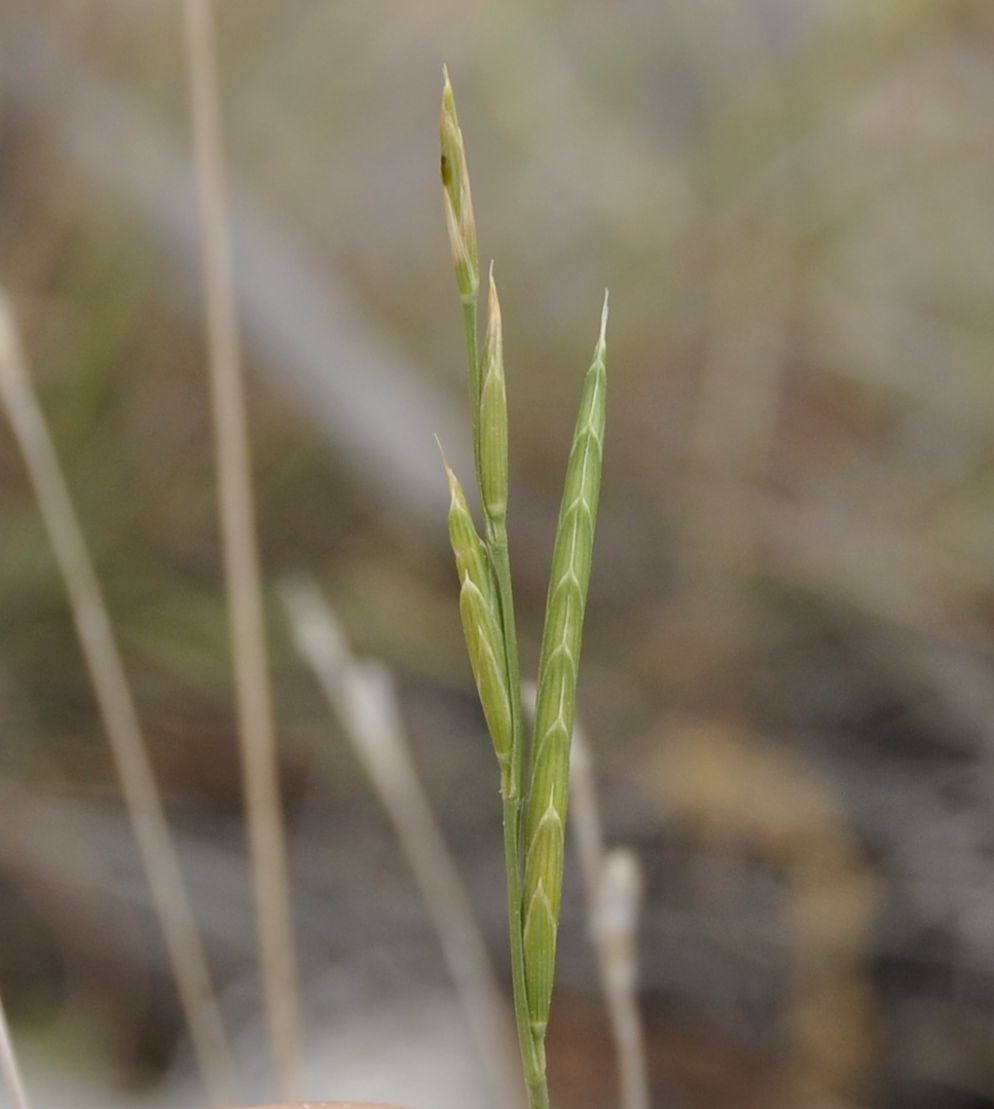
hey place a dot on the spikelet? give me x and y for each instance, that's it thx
(486, 655)
(471, 555)
(493, 418)
(458, 201)
(561, 640)
(480, 620)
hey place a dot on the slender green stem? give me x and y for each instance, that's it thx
(469, 315)
(532, 1057)
(497, 547)
(532, 1054)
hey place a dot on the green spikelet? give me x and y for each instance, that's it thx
(493, 419)
(480, 620)
(561, 640)
(459, 217)
(471, 554)
(542, 890)
(486, 656)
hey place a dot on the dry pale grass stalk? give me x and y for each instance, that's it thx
(256, 724)
(613, 890)
(9, 1069)
(362, 696)
(615, 935)
(120, 718)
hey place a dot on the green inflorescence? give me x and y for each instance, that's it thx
(534, 854)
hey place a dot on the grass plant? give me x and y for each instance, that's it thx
(533, 848)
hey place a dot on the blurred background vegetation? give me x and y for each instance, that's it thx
(789, 662)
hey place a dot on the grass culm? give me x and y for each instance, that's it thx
(534, 802)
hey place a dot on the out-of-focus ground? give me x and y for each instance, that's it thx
(789, 661)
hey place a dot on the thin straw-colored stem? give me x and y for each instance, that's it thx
(618, 902)
(362, 697)
(120, 718)
(612, 889)
(256, 724)
(470, 311)
(11, 1072)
